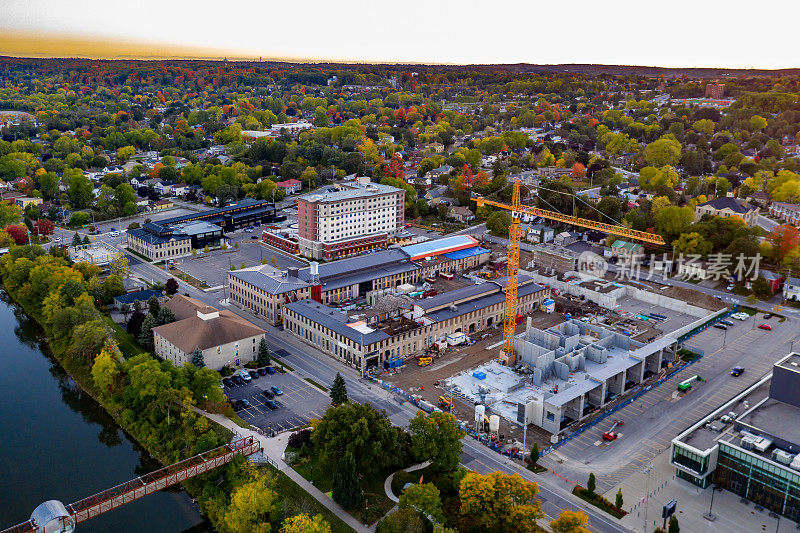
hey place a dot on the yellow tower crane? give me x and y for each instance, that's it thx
(514, 238)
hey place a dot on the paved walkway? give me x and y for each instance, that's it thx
(273, 451)
(387, 485)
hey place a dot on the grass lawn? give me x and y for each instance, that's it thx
(316, 384)
(125, 341)
(598, 501)
(303, 502)
(374, 503)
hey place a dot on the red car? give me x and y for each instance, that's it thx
(765, 326)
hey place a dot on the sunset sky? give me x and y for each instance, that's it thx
(679, 33)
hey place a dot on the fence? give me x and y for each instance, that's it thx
(637, 393)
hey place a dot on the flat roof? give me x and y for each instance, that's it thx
(347, 190)
(439, 246)
(479, 303)
(775, 418)
(453, 296)
(246, 204)
(466, 252)
(336, 321)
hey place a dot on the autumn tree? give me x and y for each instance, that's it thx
(664, 151)
(253, 505)
(18, 232)
(105, 373)
(578, 171)
(303, 523)
(570, 522)
(500, 502)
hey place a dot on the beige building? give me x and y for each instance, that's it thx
(158, 243)
(224, 338)
(424, 322)
(349, 218)
(727, 206)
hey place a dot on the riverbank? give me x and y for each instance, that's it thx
(59, 443)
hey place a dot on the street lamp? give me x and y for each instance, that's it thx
(709, 516)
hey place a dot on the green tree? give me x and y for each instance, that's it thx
(498, 223)
(165, 316)
(690, 244)
(80, 188)
(363, 432)
(423, 498)
(591, 484)
(533, 456)
(664, 151)
(346, 490)
(76, 239)
(673, 525)
(436, 437)
(154, 305)
(671, 221)
(618, 501)
(761, 287)
(197, 358)
(263, 357)
(302, 523)
(757, 123)
(404, 520)
(146, 334)
(338, 390)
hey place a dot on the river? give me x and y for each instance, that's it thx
(56, 442)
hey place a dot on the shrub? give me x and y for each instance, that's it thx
(298, 438)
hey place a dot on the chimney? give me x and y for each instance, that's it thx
(292, 272)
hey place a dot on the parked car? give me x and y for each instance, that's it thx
(238, 380)
(227, 382)
(740, 316)
(262, 372)
(726, 322)
(767, 316)
(730, 287)
(269, 394)
(271, 405)
(254, 374)
(254, 236)
(270, 370)
(244, 375)
(244, 403)
(237, 405)
(765, 326)
(737, 371)
(720, 326)
(276, 390)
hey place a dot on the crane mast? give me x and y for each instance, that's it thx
(514, 241)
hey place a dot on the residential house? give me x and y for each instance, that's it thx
(163, 187)
(791, 289)
(540, 233)
(461, 214)
(436, 147)
(436, 172)
(138, 182)
(160, 205)
(565, 238)
(180, 189)
(621, 248)
(790, 213)
(435, 196)
(132, 297)
(760, 198)
(25, 201)
(290, 186)
(773, 280)
(727, 206)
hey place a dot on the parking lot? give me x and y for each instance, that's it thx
(213, 267)
(296, 406)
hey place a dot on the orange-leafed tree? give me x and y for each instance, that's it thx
(578, 170)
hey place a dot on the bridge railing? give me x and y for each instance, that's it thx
(154, 481)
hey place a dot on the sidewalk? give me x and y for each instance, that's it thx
(692, 503)
(273, 450)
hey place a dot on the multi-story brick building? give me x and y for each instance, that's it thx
(264, 290)
(349, 218)
(715, 90)
(424, 322)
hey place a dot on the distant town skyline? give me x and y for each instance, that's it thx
(624, 32)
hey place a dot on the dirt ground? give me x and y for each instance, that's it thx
(424, 381)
